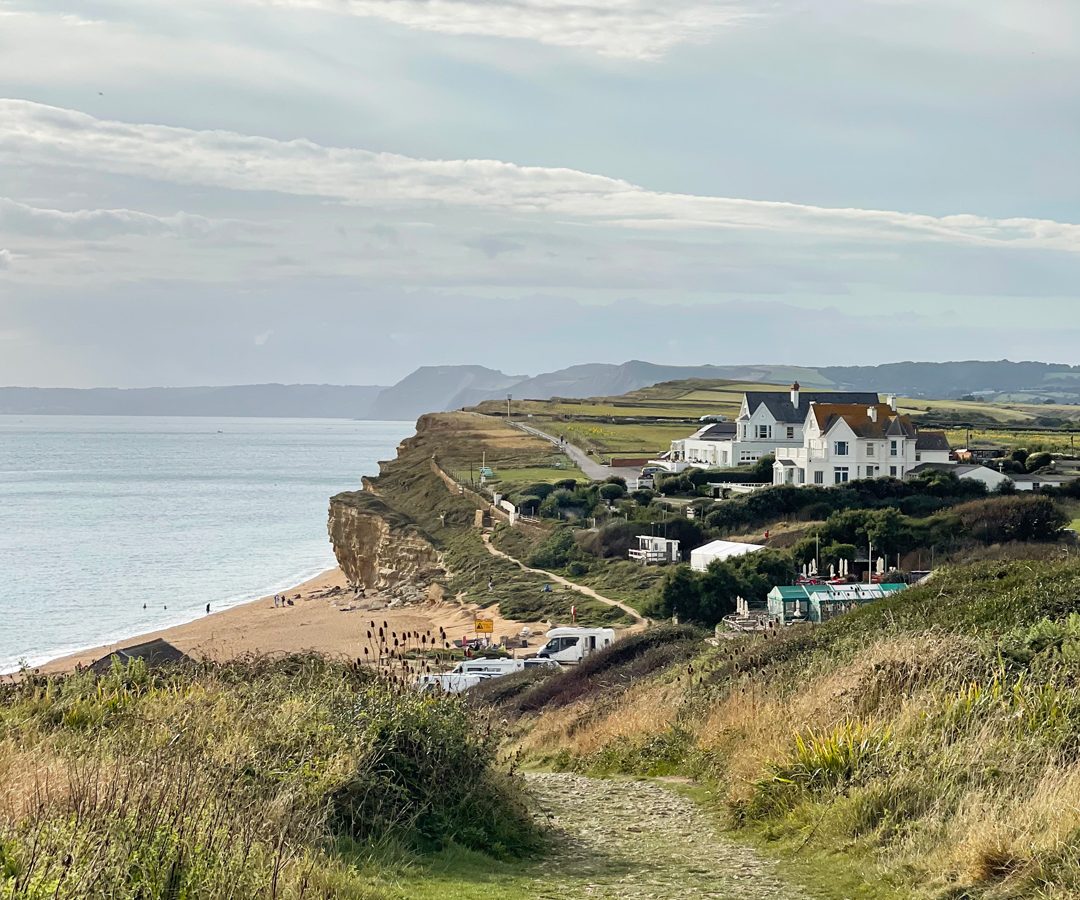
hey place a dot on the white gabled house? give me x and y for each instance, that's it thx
(768, 421)
(847, 441)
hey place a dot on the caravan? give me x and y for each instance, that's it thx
(569, 646)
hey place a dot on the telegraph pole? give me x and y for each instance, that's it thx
(509, 397)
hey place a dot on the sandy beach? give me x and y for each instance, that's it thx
(325, 618)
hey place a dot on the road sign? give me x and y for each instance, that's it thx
(484, 626)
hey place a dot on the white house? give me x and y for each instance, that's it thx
(847, 441)
(706, 448)
(702, 556)
(767, 420)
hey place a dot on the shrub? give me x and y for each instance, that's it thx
(555, 551)
(1012, 518)
(612, 491)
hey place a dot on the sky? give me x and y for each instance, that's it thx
(339, 191)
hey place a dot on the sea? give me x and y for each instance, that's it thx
(114, 526)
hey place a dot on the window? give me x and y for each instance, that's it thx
(840, 448)
(918, 457)
(764, 432)
(791, 432)
(894, 448)
(892, 471)
(871, 471)
(870, 449)
(819, 478)
(841, 475)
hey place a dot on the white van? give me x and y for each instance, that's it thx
(448, 683)
(493, 668)
(569, 646)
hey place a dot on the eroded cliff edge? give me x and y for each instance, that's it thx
(391, 536)
(379, 550)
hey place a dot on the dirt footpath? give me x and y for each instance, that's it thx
(639, 840)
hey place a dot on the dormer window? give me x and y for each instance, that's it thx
(841, 448)
(791, 432)
(869, 449)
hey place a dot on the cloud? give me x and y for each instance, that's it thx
(62, 137)
(102, 224)
(629, 29)
(5, 259)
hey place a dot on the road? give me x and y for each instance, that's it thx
(590, 467)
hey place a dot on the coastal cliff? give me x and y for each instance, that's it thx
(379, 551)
(408, 533)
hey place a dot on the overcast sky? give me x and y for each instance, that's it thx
(233, 191)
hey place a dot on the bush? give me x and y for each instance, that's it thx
(612, 491)
(1038, 461)
(1012, 518)
(555, 551)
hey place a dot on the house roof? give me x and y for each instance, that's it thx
(849, 591)
(857, 417)
(720, 431)
(932, 440)
(957, 470)
(156, 653)
(780, 405)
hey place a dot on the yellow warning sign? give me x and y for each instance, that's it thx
(484, 626)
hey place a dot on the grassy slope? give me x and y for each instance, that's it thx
(252, 779)
(932, 739)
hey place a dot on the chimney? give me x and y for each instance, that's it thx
(795, 395)
(892, 402)
(871, 411)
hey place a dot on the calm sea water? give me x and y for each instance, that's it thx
(101, 515)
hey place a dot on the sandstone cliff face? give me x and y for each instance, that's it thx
(377, 553)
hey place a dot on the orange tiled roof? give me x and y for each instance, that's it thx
(857, 416)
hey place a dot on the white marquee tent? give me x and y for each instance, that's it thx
(702, 556)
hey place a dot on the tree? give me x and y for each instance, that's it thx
(679, 593)
(1016, 518)
(612, 491)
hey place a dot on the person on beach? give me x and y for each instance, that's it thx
(208, 609)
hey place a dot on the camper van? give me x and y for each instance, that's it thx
(569, 646)
(491, 668)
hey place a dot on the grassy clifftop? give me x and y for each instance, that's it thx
(254, 779)
(931, 740)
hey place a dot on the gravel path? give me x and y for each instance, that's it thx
(639, 840)
(638, 618)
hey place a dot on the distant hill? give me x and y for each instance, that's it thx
(437, 388)
(256, 400)
(949, 380)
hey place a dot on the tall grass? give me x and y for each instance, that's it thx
(241, 780)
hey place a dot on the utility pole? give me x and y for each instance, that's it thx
(509, 397)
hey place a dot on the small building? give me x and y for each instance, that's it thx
(821, 602)
(701, 557)
(1038, 482)
(655, 550)
(992, 478)
(156, 653)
